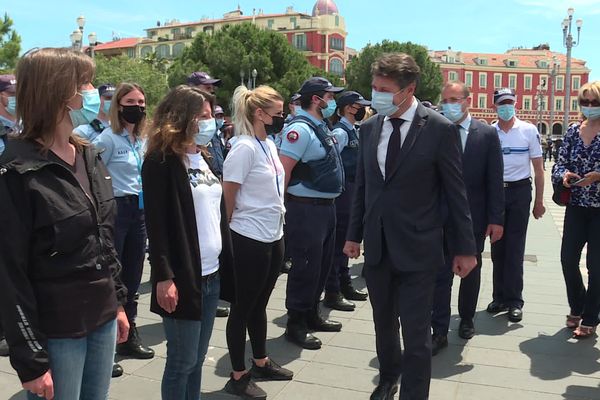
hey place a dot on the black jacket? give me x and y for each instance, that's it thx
(173, 236)
(401, 214)
(58, 267)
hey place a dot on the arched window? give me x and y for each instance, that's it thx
(146, 50)
(557, 129)
(336, 66)
(163, 51)
(178, 49)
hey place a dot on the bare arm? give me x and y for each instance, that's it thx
(538, 206)
(288, 166)
(230, 190)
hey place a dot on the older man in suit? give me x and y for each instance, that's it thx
(408, 154)
(483, 175)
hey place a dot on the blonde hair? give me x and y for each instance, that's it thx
(244, 104)
(591, 87)
(174, 121)
(116, 123)
(48, 78)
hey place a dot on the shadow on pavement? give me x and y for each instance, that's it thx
(575, 391)
(493, 324)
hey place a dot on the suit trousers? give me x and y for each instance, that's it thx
(468, 295)
(340, 273)
(310, 238)
(508, 252)
(407, 295)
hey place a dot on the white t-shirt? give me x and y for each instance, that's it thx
(519, 145)
(259, 209)
(206, 192)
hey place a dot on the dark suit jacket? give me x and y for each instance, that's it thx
(483, 173)
(404, 209)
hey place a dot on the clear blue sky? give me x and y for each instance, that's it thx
(467, 25)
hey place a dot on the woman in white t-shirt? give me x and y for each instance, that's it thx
(190, 244)
(253, 186)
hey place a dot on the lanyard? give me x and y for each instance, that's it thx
(272, 160)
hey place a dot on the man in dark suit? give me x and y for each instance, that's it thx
(483, 171)
(408, 153)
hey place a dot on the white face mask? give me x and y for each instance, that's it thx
(383, 102)
(206, 131)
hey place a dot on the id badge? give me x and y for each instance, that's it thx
(141, 200)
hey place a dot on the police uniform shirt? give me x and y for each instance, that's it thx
(519, 145)
(4, 124)
(300, 143)
(124, 165)
(341, 135)
(87, 132)
(386, 133)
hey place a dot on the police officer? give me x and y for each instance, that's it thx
(521, 149)
(91, 131)
(8, 89)
(216, 147)
(339, 289)
(203, 81)
(314, 178)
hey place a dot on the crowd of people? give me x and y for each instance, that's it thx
(89, 184)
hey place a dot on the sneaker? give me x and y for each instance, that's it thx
(270, 372)
(245, 388)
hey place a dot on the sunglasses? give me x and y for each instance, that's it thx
(589, 103)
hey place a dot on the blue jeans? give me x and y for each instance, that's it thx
(187, 343)
(81, 368)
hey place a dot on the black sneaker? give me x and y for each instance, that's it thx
(245, 388)
(270, 372)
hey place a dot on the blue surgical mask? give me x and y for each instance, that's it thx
(453, 111)
(383, 102)
(106, 107)
(88, 111)
(591, 112)
(220, 123)
(330, 109)
(206, 131)
(506, 111)
(11, 107)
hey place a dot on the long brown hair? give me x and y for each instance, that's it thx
(47, 79)
(117, 125)
(174, 121)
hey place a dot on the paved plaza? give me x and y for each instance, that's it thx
(534, 360)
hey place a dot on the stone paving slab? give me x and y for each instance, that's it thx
(534, 360)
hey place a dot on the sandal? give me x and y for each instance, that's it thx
(573, 321)
(584, 332)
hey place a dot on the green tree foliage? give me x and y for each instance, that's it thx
(10, 45)
(358, 73)
(241, 48)
(143, 72)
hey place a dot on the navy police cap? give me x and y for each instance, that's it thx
(318, 84)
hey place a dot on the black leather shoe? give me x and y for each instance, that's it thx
(133, 347)
(222, 312)
(384, 391)
(3, 347)
(286, 266)
(338, 302)
(438, 342)
(466, 329)
(117, 370)
(515, 314)
(496, 307)
(353, 294)
(297, 332)
(317, 323)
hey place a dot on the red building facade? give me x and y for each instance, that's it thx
(536, 75)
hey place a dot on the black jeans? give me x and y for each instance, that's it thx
(582, 225)
(130, 243)
(340, 273)
(257, 266)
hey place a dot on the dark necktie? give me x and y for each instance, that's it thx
(394, 145)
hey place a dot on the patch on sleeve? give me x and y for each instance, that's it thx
(292, 136)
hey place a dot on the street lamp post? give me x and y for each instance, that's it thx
(541, 88)
(569, 43)
(254, 75)
(242, 74)
(93, 39)
(76, 38)
(553, 72)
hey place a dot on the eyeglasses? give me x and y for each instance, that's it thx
(452, 100)
(588, 103)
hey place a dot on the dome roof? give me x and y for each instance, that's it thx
(324, 7)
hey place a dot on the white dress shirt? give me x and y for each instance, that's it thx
(386, 133)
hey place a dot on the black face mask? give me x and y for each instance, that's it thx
(276, 126)
(360, 114)
(132, 114)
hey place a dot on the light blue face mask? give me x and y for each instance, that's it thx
(330, 109)
(383, 102)
(505, 111)
(106, 107)
(591, 112)
(88, 111)
(220, 122)
(11, 107)
(206, 131)
(453, 111)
